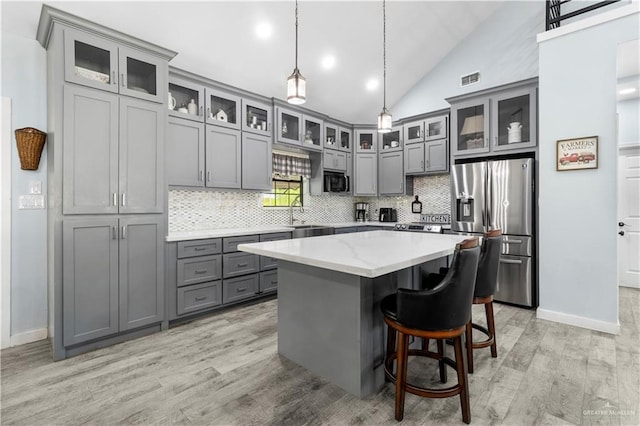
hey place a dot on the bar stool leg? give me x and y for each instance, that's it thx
(469, 343)
(441, 366)
(401, 378)
(462, 380)
(491, 326)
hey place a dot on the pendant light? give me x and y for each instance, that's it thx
(384, 119)
(296, 84)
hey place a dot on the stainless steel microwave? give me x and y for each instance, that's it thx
(336, 182)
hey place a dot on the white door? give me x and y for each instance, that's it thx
(629, 218)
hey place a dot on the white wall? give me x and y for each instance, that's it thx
(577, 209)
(629, 121)
(24, 81)
(503, 49)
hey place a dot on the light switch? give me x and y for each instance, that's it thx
(35, 187)
(31, 202)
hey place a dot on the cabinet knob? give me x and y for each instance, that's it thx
(621, 233)
(621, 223)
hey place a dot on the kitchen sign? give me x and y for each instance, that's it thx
(577, 154)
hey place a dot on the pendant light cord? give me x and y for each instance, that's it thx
(384, 55)
(296, 34)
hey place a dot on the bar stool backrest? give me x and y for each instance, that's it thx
(488, 264)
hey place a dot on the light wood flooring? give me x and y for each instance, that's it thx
(224, 369)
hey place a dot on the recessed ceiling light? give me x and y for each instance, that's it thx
(627, 91)
(372, 84)
(264, 30)
(328, 62)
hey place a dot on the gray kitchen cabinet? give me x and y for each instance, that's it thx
(193, 248)
(257, 117)
(239, 263)
(103, 64)
(349, 172)
(256, 161)
(366, 174)
(391, 179)
(426, 157)
(112, 276)
(366, 140)
(288, 126)
(345, 138)
(331, 135)
(312, 132)
(199, 269)
(114, 153)
(223, 157)
(414, 158)
(268, 281)
(391, 141)
(185, 153)
(222, 108)
(183, 92)
(334, 160)
(240, 288)
(427, 129)
(267, 263)
(198, 297)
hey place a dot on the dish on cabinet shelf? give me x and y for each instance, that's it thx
(92, 75)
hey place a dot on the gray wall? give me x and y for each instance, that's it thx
(503, 49)
(24, 81)
(577, 245)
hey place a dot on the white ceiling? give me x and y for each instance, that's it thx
(217, 39)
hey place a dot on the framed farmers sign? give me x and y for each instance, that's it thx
(577, 154)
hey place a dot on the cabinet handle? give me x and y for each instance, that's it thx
(124, 199)
(114, 236)
(208, 176)
(113, 77)
(242, 265)
(274, 281)
(208, 112)
(199, 248)
(200, 271)
(495, 141)
(201, 110)
(122, 80)
(124, 232)
(486, 141)
(200, 298)
(422, 164)
(201, 175)
(428, 165)
(241, 289)
(115, 199)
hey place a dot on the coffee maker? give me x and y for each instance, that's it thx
(362, 212)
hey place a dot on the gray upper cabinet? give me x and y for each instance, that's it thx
(257, 117)
(414, 158)
(514, 123)
(366, 140)
(428, 129)
(334, 160)
(366, 174)
(185, 153)
(141, 155)
(391, 141)
(288, 126)
(141, 263)
(223, 157)
(345, 139)
(436, 156)
(90, 150)
(222, 108)
(256, 161)
(183, 95)
(331, 136)
(391, 173)
(103, 64)
(90, 279)
(312, 132)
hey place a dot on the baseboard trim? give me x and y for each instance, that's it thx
(29, 337)
(591, 324)
(630, 285)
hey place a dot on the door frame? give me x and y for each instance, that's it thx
(623, 151)
(5, 225)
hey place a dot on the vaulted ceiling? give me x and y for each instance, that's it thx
(217, 39)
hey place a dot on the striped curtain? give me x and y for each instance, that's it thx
(286, 165)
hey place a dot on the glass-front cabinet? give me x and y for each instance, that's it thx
(513, 123)
(331, 138)
(102, 64)
(345, 139)
(182, 93)
(257, 117)
(366, 140)
(289, 127)
(222, 109)
(470, 127)
(313, 132)
(426, 130)
(391, 141)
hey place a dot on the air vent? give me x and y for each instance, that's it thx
(468, 79)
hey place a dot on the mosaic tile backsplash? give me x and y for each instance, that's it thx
(195, 210)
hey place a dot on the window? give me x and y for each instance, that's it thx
(284, 192)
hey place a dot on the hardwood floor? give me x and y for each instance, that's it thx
(225, 369)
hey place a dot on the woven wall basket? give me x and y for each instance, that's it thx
(30, 142)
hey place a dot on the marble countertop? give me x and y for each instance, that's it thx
(234, 232)
(367, 254)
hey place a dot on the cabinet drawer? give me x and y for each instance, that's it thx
(198, 297)
(235, 264)
(271, 262)
(268, 281)
(199, 247)
(239, 288)
(268, 263)
(199, 269)
(275, 236)
(231, 244)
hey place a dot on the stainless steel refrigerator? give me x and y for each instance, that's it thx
(500, 195)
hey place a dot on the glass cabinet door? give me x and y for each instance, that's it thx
(222, 109)
(181, 94)
(289, 127)
(471, 127)
(435, 128)
(256, 117)
(366, 140)
(90, 61)
(414, 132)
(345, 140)
(313, 132)
(392, 140)
(142, 75)
(331, 136)
(513, 123)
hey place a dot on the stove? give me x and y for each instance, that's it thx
(433, 223)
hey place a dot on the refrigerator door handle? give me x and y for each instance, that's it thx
(488, 200)
(515, 262)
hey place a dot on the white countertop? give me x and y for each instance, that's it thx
(234, 232)
(367, 254)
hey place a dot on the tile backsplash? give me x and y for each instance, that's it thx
(195, 209)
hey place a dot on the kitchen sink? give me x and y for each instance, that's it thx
(303, 231)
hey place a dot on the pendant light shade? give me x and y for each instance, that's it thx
(296, 84)
(384, 119)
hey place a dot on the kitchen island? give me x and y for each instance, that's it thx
(329, 292)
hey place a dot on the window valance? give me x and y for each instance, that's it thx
(289, 165)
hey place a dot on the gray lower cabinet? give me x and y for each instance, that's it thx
(240, 263)
(346, 230)
(185, 152)
(112, 276)
(256, 161)
(268, 281)
(366, 174)
(239, 288)
(197, 297)
(223, 157)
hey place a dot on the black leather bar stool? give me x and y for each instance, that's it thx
(439, 313)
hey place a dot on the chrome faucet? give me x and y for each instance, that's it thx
(291, 219)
